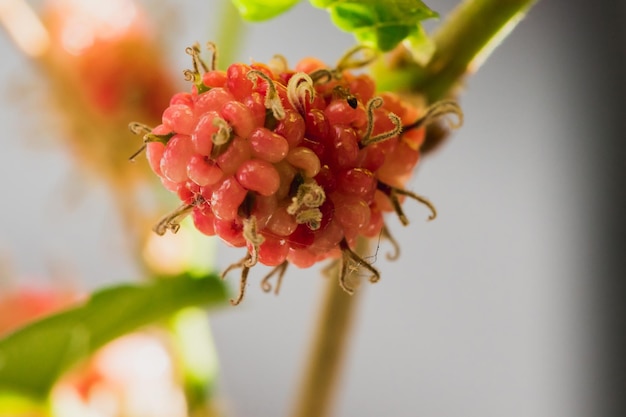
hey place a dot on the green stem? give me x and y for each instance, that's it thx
(462, 43)
(330, 342)
(230, 33)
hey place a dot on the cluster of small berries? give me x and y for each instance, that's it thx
(294, 164)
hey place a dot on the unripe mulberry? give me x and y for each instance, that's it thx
(288, 162)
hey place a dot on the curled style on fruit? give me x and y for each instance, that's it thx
(279, 272)
(300, 89)
(435, 112)
(356, 57)
(367, 138)
(305, 205)
(171, 221)
(294, 165)
(243, 279)
(386, 234)
(272, 101)
(393, 192)
(351, 262)
(146, 133)
(194, 75)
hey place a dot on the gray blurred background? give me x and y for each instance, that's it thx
(507, 305)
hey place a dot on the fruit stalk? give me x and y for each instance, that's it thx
(461, 44)
(465, 40)
(321, 379)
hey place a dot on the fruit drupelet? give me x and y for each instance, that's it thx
(293, 164)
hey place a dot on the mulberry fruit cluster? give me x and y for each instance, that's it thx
(293, 164)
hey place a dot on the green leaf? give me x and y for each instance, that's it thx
(32, 358)
(259, 10)
(421, 46)
(380, 24)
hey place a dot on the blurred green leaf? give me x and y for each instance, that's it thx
(14, 405)
(421, 46)
(380, 24)
(32, 358)
(259, 10)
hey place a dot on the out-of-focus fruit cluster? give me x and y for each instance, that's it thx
(105, 67)
(294, 164)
